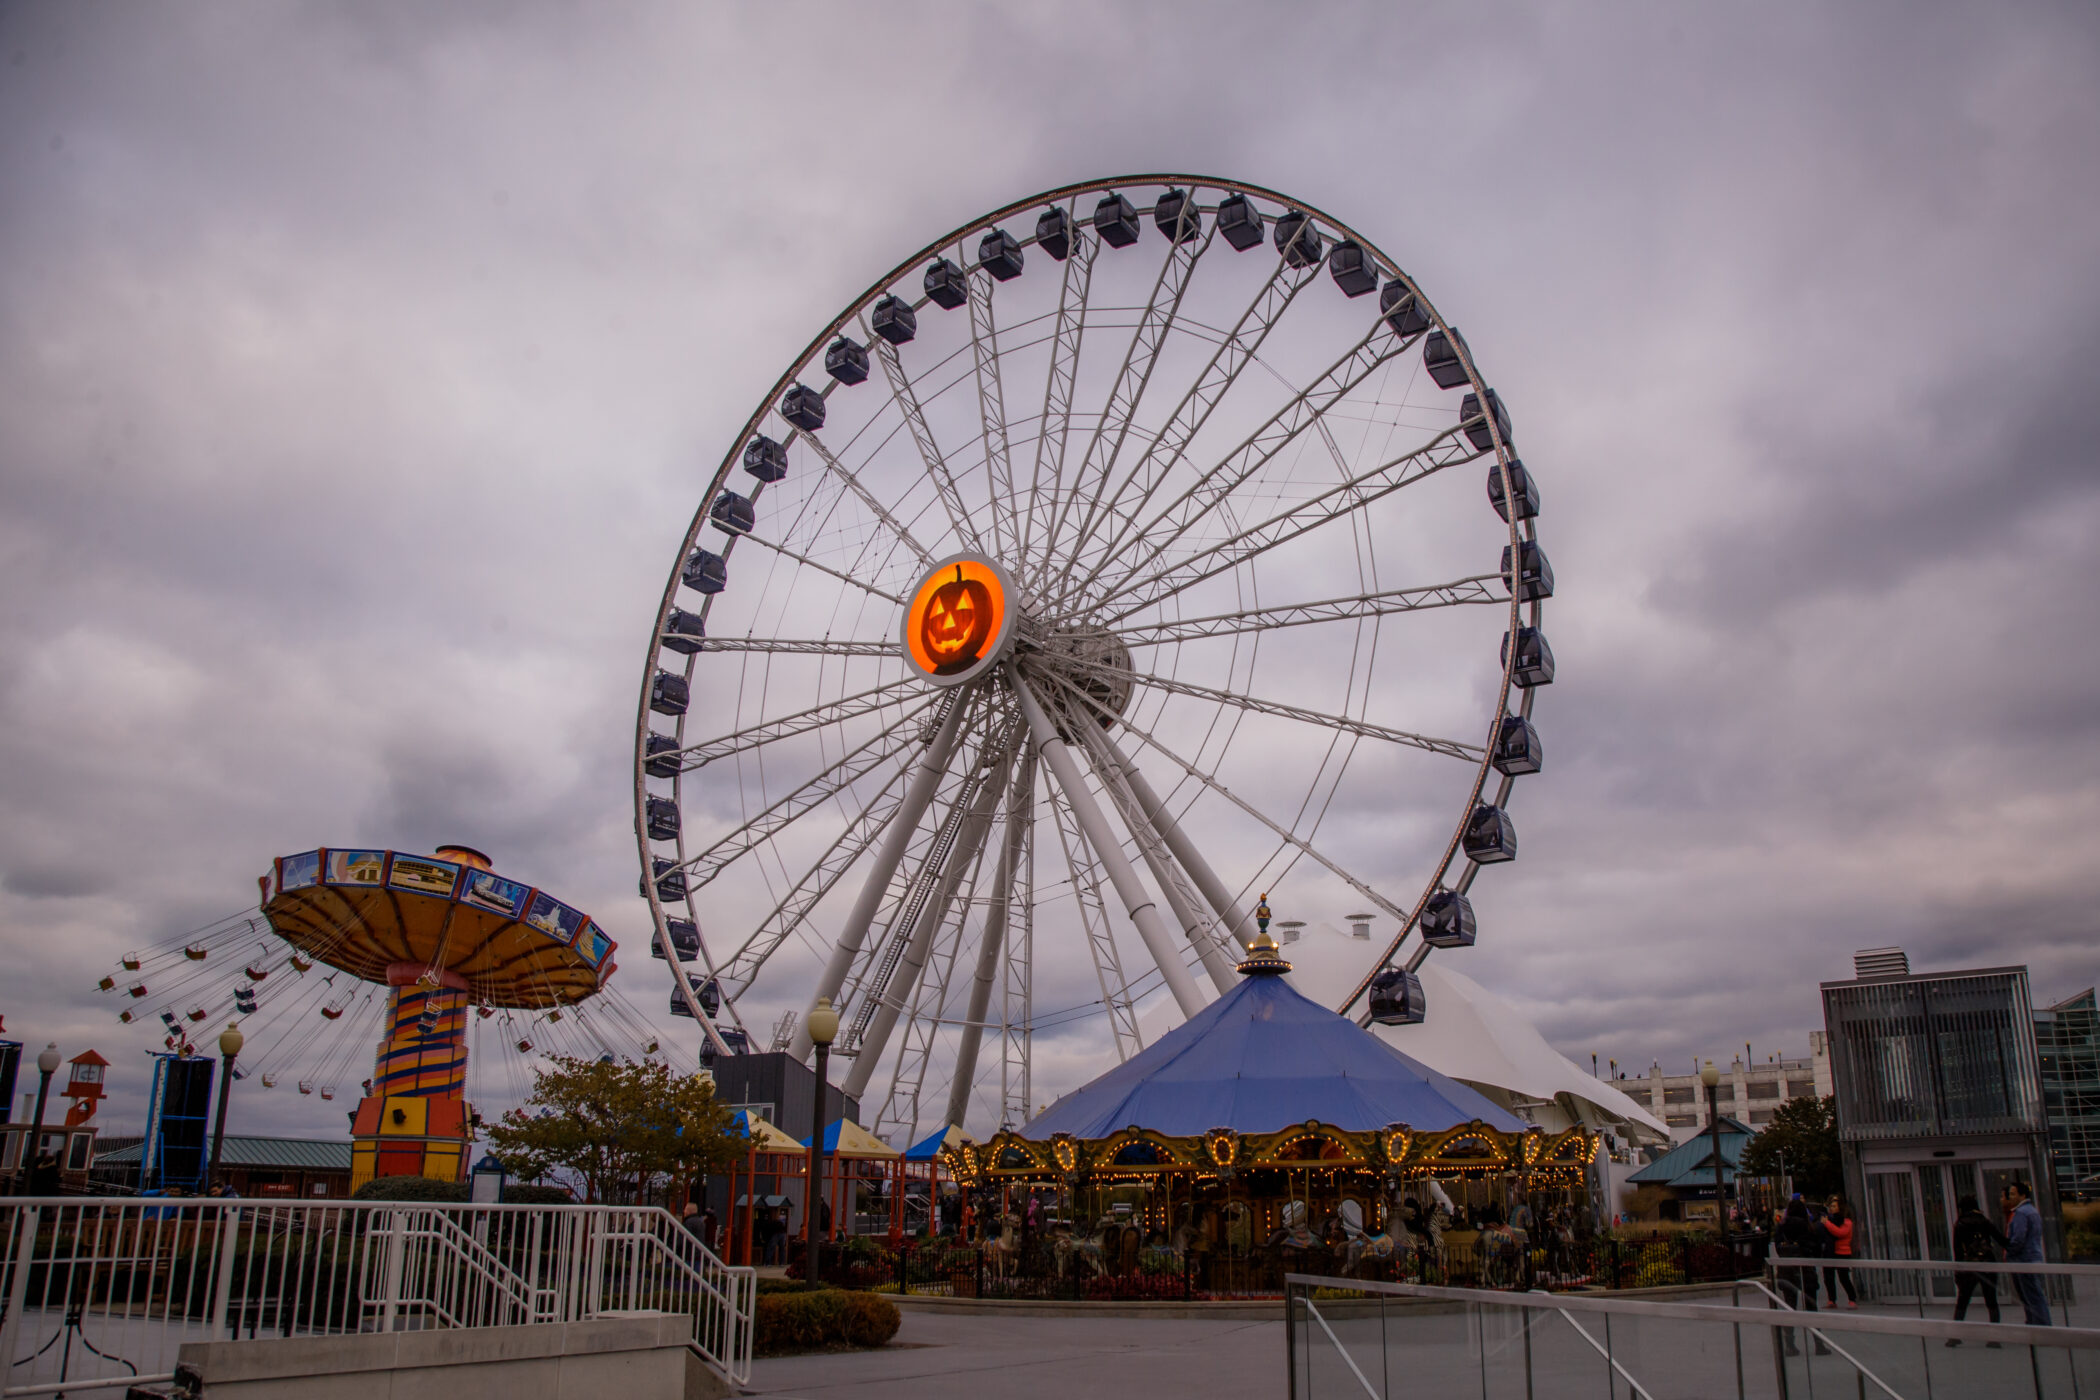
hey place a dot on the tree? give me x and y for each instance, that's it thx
(1804, 1132)
(615, 1124)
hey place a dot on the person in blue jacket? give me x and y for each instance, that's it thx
(2023, 1245)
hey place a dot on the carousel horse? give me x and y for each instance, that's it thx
(1070, 1249)
(1293, 1236)
(1375, 1246)
(1501, 1250)
(1005, 1247)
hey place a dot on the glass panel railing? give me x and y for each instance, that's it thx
(1352, 1338)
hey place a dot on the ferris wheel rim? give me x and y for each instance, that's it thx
(1521, 612)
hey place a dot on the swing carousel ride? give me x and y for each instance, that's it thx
(422, 957)
(1124, 535)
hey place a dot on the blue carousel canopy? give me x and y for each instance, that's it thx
(1263, 1058)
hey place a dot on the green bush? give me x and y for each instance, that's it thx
(411, 1188)
(870, 1321)
(821, 1319)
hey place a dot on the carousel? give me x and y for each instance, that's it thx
(1269, 1134)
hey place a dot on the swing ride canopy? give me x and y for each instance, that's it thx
(367, 911)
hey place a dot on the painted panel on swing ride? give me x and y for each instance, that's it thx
(511, 946)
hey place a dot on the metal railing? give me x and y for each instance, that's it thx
(99, 1293)
(1928, 1286)
(1351, 1337)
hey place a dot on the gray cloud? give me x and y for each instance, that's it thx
(360, 367)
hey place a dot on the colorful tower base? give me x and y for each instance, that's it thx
(415, 1123)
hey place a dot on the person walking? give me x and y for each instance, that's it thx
(1976, 1241)
(1838, 1226)
(2023, 1245)
(1796, 1238)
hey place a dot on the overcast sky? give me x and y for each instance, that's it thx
(360, 366)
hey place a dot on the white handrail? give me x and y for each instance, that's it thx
(132, 1278)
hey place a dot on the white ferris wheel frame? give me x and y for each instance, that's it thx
(1054, 748)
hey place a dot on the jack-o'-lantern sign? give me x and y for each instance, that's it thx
(960, 619)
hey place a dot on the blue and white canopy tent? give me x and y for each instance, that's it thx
(1265, 1087)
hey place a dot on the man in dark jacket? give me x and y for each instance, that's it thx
(1976, 1241)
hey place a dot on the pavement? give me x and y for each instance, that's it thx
(936, 1356)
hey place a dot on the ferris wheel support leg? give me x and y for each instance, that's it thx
(1231, 918)
(988, 949)
(969, 842)
(903, 822)
(1137, 901)
(1115, 774)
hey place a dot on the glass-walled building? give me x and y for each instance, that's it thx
(2067, 1035)
(1939, 1095)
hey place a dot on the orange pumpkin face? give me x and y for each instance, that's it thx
(959, 619)
(956, 623)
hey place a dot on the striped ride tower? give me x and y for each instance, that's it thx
(424, 1054)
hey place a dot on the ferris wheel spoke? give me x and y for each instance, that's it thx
(886, 994)
(850, 707)
(1058, 384)
(1290, 838)
(1136, 900)
(1234, 353)
(1447, 449)
(853, 483)
(1090, 485)
(906, 395)
(991, 942)
(797, 646)
(897, 833)
(1247, 461)
(1480, 588)
(1093, 916)
(1174, 884)
(991, 409)
(1450, 748)
(788, 916)
(841, 575)
(882, 747)
(929, 1000)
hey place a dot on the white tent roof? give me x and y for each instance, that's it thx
(1469, 1033)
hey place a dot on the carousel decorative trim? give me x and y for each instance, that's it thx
(1396, 1150)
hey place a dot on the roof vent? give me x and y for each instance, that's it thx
(1880, 962)
(1360, 926)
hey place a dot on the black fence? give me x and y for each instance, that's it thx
(1063, 1269)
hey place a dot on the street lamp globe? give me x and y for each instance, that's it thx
(47, 1060)
(1708, 1075)
(231, 1040)
(823, 1025)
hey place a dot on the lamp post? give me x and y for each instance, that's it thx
(230, 1042)
(823, 1027)
(1711, 1078)
(47, 1061)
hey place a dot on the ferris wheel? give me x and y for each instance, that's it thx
(1115, 559)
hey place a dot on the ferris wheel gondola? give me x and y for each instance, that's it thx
(1101, 546)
